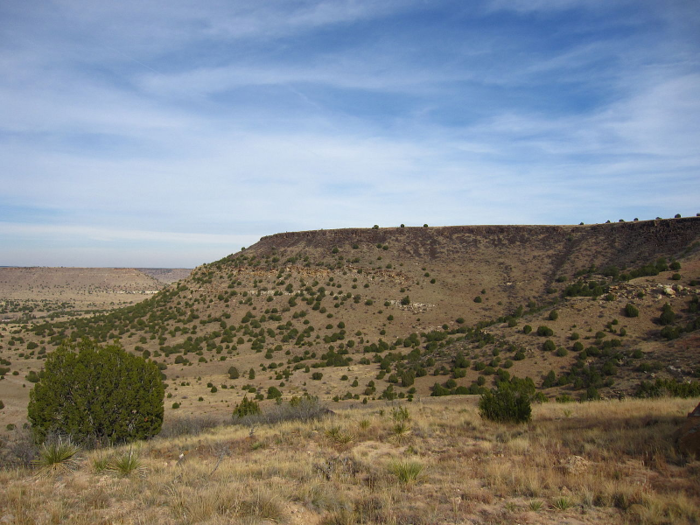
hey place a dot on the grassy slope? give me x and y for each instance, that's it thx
(605, 462)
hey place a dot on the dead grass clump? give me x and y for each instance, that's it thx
(341, 517)
(309, 472)
(197, 505)
(323, 497)
(303, 410)
(187, 426)
(20, 450)
(371, 508)
(263, 504)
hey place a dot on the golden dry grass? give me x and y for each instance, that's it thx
(604, 462)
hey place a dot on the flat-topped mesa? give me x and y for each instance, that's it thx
(620, 243)
(374, 235)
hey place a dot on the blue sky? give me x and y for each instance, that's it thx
(171, 133)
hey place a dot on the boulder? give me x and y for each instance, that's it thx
(688, 436)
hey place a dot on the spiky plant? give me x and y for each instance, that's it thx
(336, 435)
(535, 505)
(562, 503)
(57, 456)
(127, 463)
(406, 471)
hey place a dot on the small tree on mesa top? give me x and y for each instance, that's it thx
(93, 392)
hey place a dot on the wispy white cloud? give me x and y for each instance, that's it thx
(175, 124)
(108, 235)
(526, 6)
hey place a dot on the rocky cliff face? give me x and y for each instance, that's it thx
(560, 248)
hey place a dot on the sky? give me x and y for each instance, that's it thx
(153, 133)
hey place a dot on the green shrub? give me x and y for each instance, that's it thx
(564, 398)
(676, 277)
(246, 407)
(233, 373)
(631, 310)
(304, 408)
(671, 332)
(527, 329)
(549, 380)
(591, 394)
(273, 393)
(477, 299)
(549, 346)
(553, 315)
(505, 405)
(545, 331)
(97, 393)
(668, 316)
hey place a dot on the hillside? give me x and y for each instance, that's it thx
(359, 314)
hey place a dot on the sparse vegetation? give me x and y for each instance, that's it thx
(260, 326)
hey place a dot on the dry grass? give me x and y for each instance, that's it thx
(608, 462)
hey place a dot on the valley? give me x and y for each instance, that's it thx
(355, 315)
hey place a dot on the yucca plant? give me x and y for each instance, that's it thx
(406, 471)
(338, 436)
(57, 457)
(400, 414)
(535, 505)
(126, 464)
(562, 503)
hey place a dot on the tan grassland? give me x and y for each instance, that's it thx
(602, 462)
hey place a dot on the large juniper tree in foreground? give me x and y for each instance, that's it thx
(93, 392)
